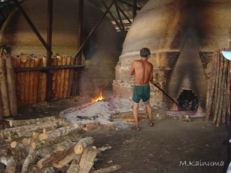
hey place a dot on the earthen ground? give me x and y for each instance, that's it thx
(170, 146)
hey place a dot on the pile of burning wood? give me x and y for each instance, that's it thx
(46, 145)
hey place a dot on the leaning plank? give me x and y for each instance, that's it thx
(83, 143)
(74, 167)
(87, 159)
(9, 163)
(108, 169)
(11, 86)
(3, 89)
(29, 159)
(74, 137)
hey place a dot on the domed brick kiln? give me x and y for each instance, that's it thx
(182, 36)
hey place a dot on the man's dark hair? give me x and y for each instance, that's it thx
(145, 52)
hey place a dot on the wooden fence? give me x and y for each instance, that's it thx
(18, 89)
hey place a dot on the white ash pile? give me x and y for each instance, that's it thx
(100, 112)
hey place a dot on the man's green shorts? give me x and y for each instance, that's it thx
(141, 92)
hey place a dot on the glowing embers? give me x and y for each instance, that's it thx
(187, 101)
(100, 97)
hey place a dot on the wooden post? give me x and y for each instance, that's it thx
(3, 89)
(11, 86)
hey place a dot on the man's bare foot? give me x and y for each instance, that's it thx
(135, 128)
(151, 124)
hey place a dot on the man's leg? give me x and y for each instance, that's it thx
(149, 111)
(135, 114)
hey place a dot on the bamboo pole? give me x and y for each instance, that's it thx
(3, 89)
(11, 86)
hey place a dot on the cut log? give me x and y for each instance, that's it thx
(36, 80)
(11, 86)
(83, 143)
(15, 123)
(48, 159)
(74, 167)
(29, 159)
(3, 89)
(58, 77)
(34, 135)
(31, 81)
(43, 136)
(27, 81)
(62, 77)
(9, 163)
(64, 130)
(87, 159)
(108, 169)
(63, 145)
(67, 157)
(70, 78)
(26, 141)
(21, 130)
(42, 83)
(20, 142)
(74, 137)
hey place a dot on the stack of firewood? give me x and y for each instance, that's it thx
(46, 145)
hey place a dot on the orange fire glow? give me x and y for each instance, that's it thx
(98, 98)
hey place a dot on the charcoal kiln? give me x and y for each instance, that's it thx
(182, 36)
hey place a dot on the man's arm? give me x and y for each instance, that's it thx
(132, 69)
(151, 76)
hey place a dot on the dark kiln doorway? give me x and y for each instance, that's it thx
(187, 101)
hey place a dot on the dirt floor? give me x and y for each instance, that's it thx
(170, 146)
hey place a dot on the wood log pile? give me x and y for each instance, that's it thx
(18, 89)
(48, 145)
(218, 93)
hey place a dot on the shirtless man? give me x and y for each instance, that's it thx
(143, 71)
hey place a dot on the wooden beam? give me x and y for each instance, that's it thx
(47, 68)
(32, 25)
(49, 44)
(97, 24)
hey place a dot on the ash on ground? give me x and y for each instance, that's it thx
(100, 112)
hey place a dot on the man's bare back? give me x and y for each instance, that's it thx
(143, 71)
